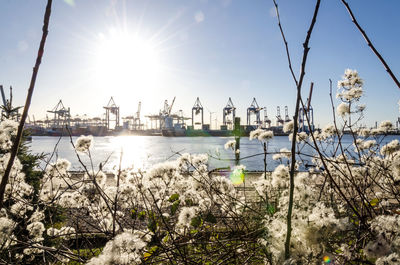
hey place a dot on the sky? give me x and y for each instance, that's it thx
(153, 50)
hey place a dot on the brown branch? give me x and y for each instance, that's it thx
(299, 83)
(14, 149)
(285, 42)
(354, 20)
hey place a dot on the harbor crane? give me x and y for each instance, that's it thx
(167, 108)
(229, 109)
(196, 110)
(267, 121)
(62, 115)
(279, 120)
(133, 122)
(305, 112)
(136, 122)
(163, 117)
(112, 110)
(254, 109)
(287, 118)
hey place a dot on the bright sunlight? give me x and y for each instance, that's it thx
(126, 61)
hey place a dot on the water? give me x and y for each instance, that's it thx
(145, 151)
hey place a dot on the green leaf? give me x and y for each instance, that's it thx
(150, 252)
(374, 202)
(194, 231)
(174, 207)
(165, 239)
(270, 209)
(174, 197)
(142, 215)
(196, 221)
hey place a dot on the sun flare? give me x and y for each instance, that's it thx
(126, 61)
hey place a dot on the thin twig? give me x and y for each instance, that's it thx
(354, 20)
(299, 83)
(17, 141)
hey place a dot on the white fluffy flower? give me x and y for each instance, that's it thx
(6, 228)
(288, 127)
(35, 229)
(9, 127)
(280, 176)
(343, 109)
(37, 216)
(364, 132)
(254, 134)
(364, 145)
(125, 248)
(283, 153)
(230, 144)
(390, 148)
(361, 107)
(186, 215)
(386, 126)
(83, 143)
(266, 135)
(392, 259)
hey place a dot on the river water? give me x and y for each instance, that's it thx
(144, 151)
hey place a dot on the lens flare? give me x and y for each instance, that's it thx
(70, 2)
(327, 259)
(237, 176)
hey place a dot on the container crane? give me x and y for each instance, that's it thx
(136, 121)
(267, 121)
(229, 109)
(166, 121)
(133, 122)
(287, 118)
(196, 110)
(112, 110)
(279, 120)
(307, 111)
(62, 115)
(254, 109)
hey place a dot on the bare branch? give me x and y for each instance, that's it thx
(354, 20)
(17, 141)
(299, 84)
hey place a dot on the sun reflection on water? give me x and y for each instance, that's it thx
(132, 149)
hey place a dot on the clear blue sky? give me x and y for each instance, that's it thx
(211, 49)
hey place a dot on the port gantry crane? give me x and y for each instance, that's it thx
(279, 120)
(112, 109)
(136, 121)
(62, 115)
(229, 109)
(305, 112)
(196, 110)
(163, 118)
(287, 118)
(254, 109)
(133, 122)
(267, 121)
(166, 120)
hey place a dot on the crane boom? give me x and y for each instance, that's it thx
(172, 104)
(138, 111)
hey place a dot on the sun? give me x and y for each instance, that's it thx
(125, 60)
